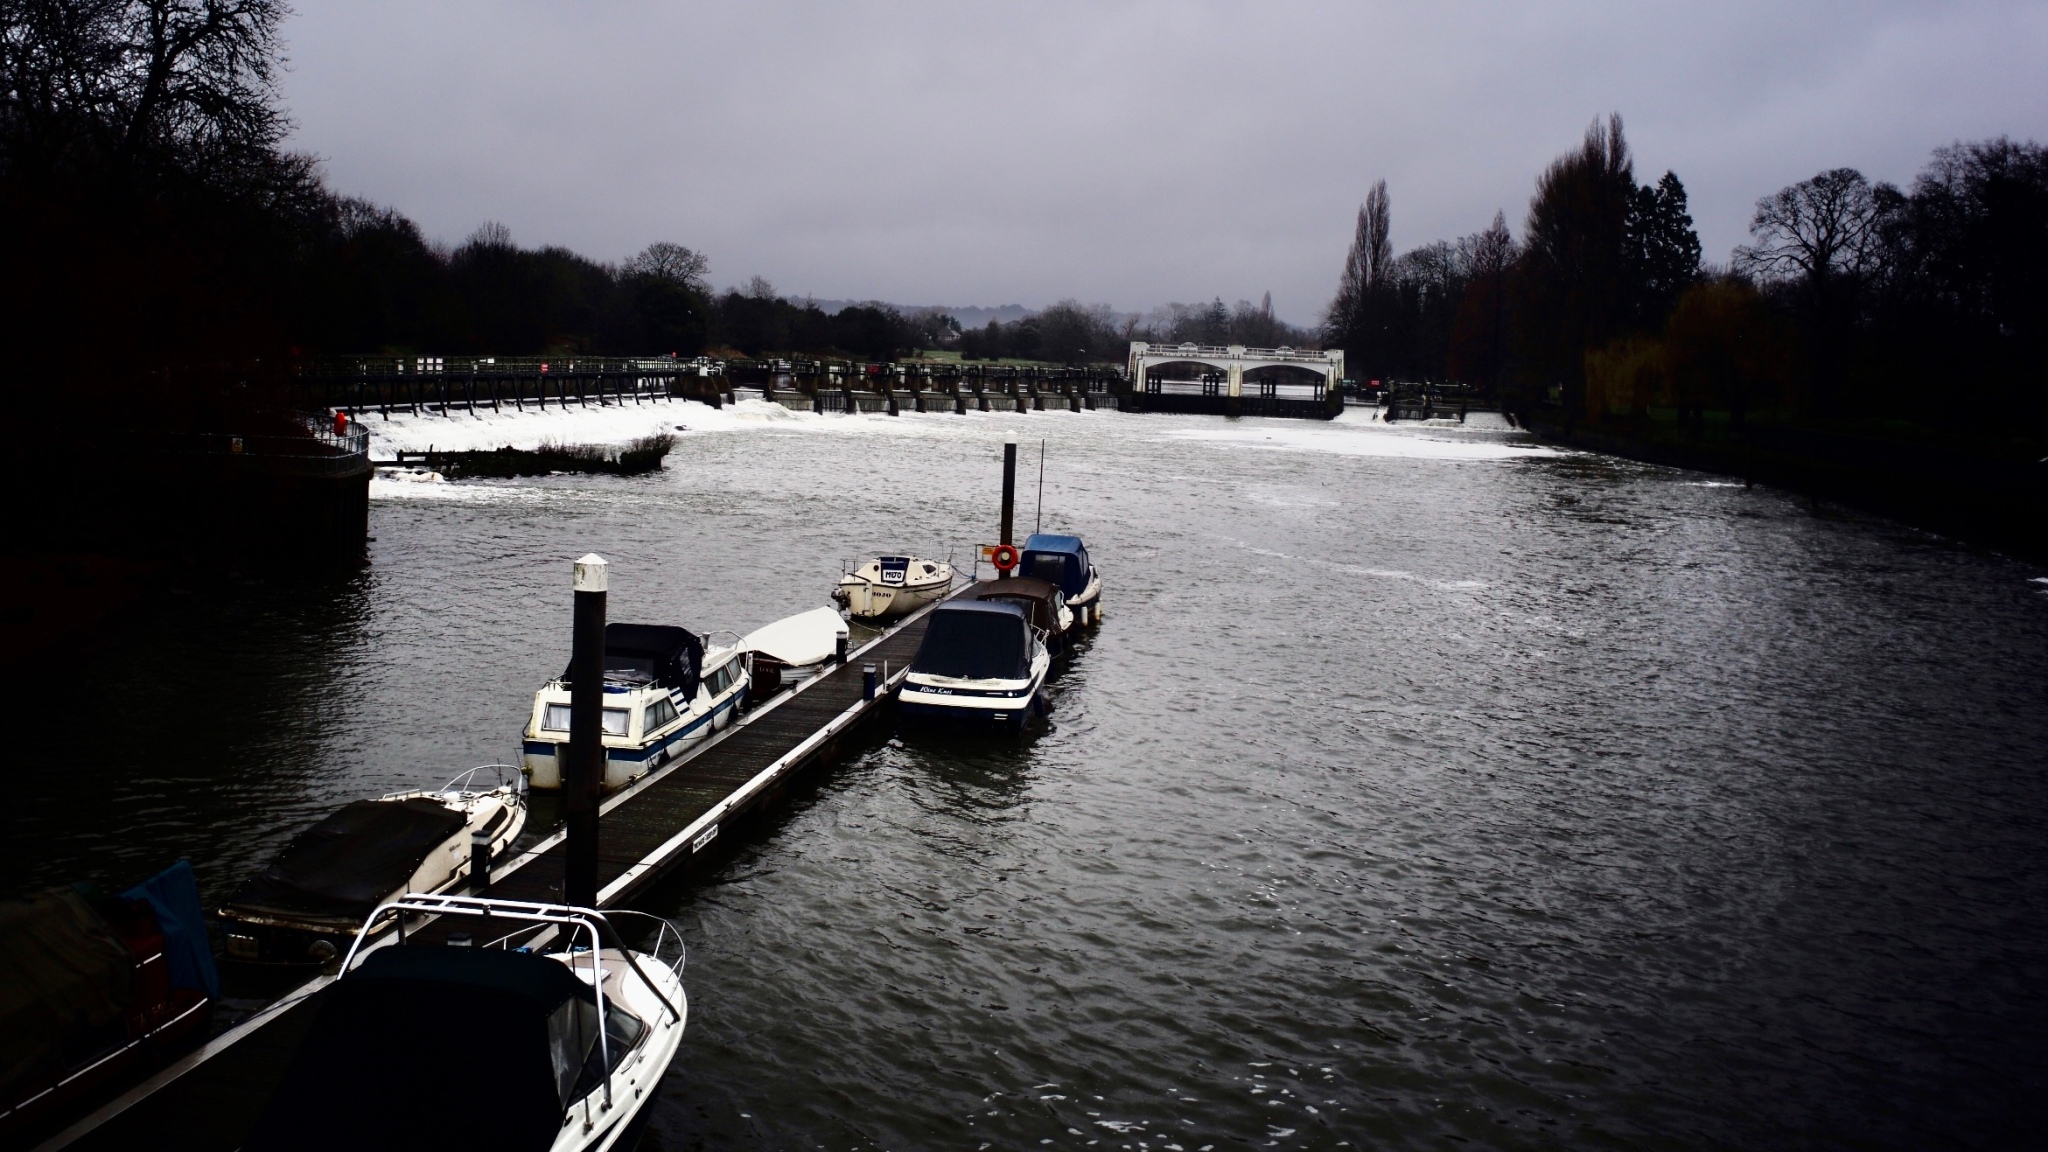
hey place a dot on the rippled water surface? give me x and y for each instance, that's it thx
(1419, 788)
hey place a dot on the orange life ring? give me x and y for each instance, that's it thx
(1004, 557)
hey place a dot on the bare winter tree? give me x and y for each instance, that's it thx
(671, 263)
(202, 74)
(1816, 230)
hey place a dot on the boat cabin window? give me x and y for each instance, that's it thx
(659, 713)
(722, 679)
(556, 719)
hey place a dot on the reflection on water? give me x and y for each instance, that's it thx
(1408, 794)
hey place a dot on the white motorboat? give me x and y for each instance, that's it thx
(794, 649)
(981, 663)
(889, 586)
(305, 905)
(1063, 560)
(665, 688)
(571, 1031)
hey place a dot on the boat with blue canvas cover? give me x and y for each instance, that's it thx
(981, 663)
(1063, 560)
(665, 689)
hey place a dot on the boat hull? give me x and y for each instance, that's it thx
(866, 600)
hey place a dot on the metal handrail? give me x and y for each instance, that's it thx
(667, 929)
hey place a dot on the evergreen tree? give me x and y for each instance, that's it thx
(1663, 247)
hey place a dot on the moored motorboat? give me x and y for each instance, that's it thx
(306, 905)
(886, 587)
(665, 688)
(571, 1042)
(98, 989)
(794, 649)
(1064, 561)
(1043, 602)
(980, 663)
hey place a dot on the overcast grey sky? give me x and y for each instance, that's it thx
(1128, 153)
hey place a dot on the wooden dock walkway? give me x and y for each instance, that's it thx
(208, 1100)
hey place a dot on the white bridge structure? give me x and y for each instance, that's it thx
(1232, 362)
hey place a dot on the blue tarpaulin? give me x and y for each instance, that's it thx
(1058, 558)
(173, 894)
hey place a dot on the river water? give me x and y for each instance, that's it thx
(1421, 787)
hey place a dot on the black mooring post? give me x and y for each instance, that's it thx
(1009, 492)
(583, 775)
(479, 862)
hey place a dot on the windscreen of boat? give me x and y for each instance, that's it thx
(354, 859)
(396, 1035)
(639, 654)
(975, 642)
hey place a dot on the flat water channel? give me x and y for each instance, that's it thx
(1421, 787)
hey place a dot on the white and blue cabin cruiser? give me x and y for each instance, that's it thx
(664, 690)
(981, 663)
(1063, 560)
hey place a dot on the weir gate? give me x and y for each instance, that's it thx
(1187, 378)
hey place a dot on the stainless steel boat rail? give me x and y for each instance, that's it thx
(564, 916)
(667, 929)
(463, 780)
(464, 784)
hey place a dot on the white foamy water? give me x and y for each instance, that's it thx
(1360, 433)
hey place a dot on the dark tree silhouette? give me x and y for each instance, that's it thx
(1575, 272)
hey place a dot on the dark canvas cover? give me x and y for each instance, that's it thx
(348, 863)
(1035, 596)
(427, 1047)
(63, 974)
(651, 653)
(975, 640)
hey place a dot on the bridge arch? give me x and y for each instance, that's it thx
(1234, 361)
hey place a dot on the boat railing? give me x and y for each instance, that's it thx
(463, 784)
(665, 931)
(464, 781)
(560, 915)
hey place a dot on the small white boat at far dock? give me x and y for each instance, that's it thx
(890, 586)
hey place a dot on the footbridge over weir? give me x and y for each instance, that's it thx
(1234, 380)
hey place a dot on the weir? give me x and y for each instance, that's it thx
(1232, 381)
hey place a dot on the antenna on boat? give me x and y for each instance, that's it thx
(1038, 517)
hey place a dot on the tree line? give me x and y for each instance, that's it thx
(1854, 300)
(160, 239)
(1076, 333)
